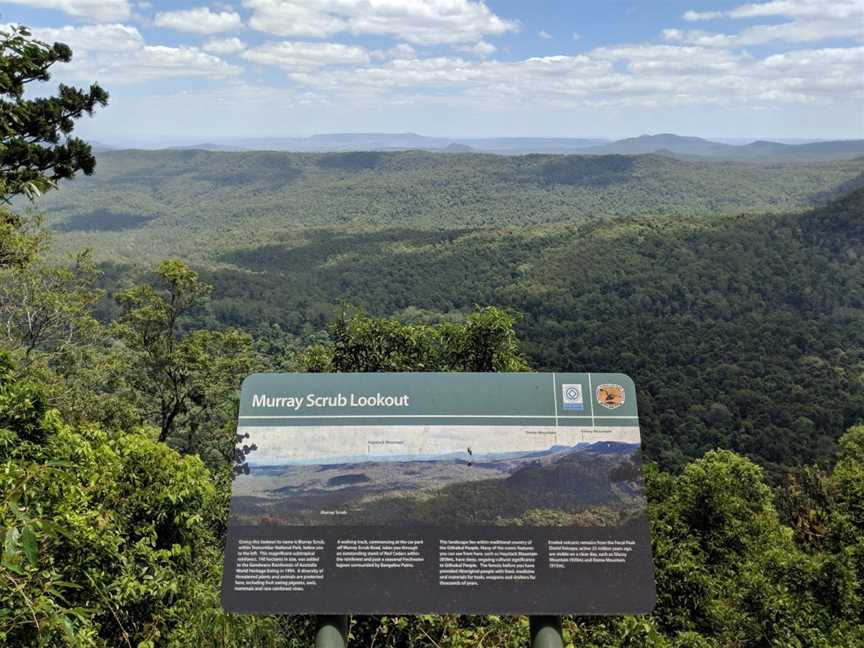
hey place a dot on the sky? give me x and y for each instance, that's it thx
(185, 72)
(338, 444)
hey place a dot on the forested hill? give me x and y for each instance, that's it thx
(143, 205)
(743, 332)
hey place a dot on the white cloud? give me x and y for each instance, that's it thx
(415, 21)
(644, 75)
(702, 15)
(544, 35)
(842, 9)
(118, 53)
(481, 48)
(95, 10)
(301, 56)
(160, 62)
(400, 51)
(801, 9)
(460, 75)
(818, 72)
(224, 45)
(671, 59)
(808, 21)
(105, 38)
(199, 21)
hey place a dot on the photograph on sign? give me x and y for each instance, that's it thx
(404, 475)
(387, 493)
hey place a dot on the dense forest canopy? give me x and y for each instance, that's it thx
(119, 369)
(199, 204)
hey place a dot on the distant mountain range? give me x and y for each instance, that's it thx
(342, 142)
(663, 144)
(698, 148)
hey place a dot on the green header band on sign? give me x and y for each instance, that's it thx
(457, 399)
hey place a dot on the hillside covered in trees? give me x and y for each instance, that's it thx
(741, 331)
(731, 293)
(198, 204)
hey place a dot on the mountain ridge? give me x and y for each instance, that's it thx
(688, 147)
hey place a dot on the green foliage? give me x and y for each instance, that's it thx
(729, 570)
(114, 538)
(485, 341)
(19, 240)
(852, 445)
(47, 308)
(180, 375)
(107, 538)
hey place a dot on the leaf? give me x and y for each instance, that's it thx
(69, 631)
(14, 568)
(10, 547)
(57, 594)
(30, 544)
(54, 529)
(60, 464)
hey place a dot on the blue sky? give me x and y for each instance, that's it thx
(187, 71)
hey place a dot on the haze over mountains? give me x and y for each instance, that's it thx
(663, 144)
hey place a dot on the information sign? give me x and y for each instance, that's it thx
(438, 493)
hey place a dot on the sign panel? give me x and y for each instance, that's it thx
(418, 493)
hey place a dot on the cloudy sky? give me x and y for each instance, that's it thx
(190, 70)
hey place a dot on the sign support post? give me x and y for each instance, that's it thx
(332, 631)
(546, 632)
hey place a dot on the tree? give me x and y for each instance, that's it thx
(47, 308)
(19, 243)
(107, 539)
(36, 149)
(179, 374)
(486, 341)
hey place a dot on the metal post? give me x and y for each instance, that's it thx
(546, 632)
(332, 631)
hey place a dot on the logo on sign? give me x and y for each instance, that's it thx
(610, 396)
(572, 397)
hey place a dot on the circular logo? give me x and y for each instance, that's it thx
(610, 396)
(573, 393)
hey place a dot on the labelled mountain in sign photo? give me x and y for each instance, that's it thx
(595, 484)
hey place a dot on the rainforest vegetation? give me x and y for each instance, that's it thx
(733, 295)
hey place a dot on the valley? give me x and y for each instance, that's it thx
(738, 316)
